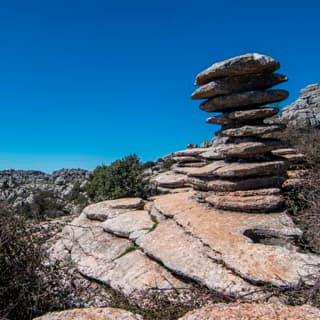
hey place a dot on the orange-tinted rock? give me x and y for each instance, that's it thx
(249, 203)
(245, 311)
(91, 314)
(223, 232)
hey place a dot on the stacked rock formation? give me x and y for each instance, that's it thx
(245, 175)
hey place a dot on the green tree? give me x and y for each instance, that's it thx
(122, 178)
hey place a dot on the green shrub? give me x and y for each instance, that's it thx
(122, 178)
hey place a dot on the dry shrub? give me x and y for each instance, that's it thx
(27, 287)
(304, 203)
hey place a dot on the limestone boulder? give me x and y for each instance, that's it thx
(241, 83)
(242, 311)
(237, 184)
(170, 179)
(231, 235)
(256, 202)
(130, 224)
(108, 259)
(111, 208)
(91, 314)
(243, 116)
(245, 64)
(250, 130)
(243, 99)
(193, 152)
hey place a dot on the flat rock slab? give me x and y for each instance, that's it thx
(243, 99)
(245, 64)
(238, 84)
(130, 224)
(170, 179)
(189, 152)
(239, 184)
(242, 311)
(247, 203)
(111, 208)
(247, 149)
(244, 115)
(91, 314)
(188, 257)
(223, 232)
(250, 130)
(109, 259)
(239, 169)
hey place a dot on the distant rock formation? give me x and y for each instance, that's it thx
(304, 113)
(20, 188)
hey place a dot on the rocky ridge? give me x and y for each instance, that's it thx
(20, 188)
(303, 113)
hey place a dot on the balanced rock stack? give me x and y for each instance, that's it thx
(245, 175)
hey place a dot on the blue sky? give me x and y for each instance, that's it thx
(87, 82)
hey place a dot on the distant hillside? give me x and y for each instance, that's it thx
(35, 193)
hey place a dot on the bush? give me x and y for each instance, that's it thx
(44, 205)
(122, 178)
(304, 202)
(25, 283)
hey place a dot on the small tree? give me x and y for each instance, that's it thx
(122, 178)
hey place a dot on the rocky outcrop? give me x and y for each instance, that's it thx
(304, 113)
(228, 232)
(20, 189)
(246, 154)
(271, 311)
(91, 314)
(174, 242)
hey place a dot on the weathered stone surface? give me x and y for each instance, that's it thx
(243, 115)
(240, 147)
(240, 184)
(193, 152)
(239, 169)
(109, 259)
(238, 84)
(248, 149)
(243, 99)
(111, 208)
(170, 179)
(224, 233)
(186, 159)
(245, 311)
(250, 130)
(248, 203)
(245, 64)
(187, 256)
(129, 224)
(91, 314)
(305, 111)
(284, 151)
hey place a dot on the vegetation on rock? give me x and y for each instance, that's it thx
(122, 178)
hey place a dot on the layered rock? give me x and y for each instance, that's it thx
(240, 88)
(304, 113)
(173, 243)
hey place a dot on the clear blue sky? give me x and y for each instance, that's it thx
(87, 82)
